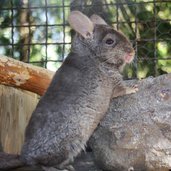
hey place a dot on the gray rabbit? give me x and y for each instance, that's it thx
(77, 98)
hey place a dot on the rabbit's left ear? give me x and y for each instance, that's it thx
(81, 24)
(96, 19)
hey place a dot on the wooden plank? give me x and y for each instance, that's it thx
(16, 107)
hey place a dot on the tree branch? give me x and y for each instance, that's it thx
(25, 76)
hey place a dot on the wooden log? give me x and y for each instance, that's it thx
(135, 134)
(25, 76)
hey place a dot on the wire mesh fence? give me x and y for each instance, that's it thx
(37, 32)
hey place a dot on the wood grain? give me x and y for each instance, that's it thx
(16, 107)
(25, 76)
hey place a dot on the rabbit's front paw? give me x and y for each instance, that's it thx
(132, 89)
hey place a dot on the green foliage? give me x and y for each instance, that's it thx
(35, 35)
(148, 26)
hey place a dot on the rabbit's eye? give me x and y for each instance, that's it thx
(109, 41)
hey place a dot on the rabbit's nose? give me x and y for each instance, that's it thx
(129, 56)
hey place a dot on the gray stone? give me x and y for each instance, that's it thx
(136, 132)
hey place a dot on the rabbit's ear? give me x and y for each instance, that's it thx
(96, 19)
(81, 24)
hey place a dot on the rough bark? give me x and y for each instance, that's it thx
(136, 132)
(25, 76)
(25, 33)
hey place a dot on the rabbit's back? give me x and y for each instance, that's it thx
(67, 114)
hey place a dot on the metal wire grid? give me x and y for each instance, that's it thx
(46, 25)
(139, 43)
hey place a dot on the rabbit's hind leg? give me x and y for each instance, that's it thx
(67, 168)
(66, 165)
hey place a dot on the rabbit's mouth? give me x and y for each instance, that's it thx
(129, 57)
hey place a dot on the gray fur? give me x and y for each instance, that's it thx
(76, 100)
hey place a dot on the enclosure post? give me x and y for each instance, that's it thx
(16, 107)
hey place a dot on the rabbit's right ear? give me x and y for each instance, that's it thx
(96, 19)
(81, 24)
